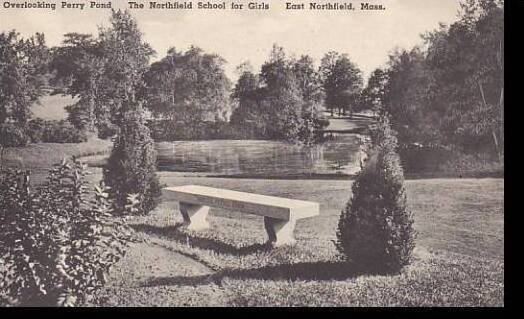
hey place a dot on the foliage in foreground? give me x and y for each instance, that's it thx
(375, 229)
(57, 242)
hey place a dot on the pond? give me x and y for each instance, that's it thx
(257, 158)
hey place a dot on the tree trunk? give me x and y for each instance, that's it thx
(2, 150)
(501, 124)
(493, 130)
(497, 146)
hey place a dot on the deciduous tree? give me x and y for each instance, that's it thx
(188, 87)
(23, 66)
(342, 82)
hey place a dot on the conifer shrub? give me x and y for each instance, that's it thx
(131, 167)
(375, 230)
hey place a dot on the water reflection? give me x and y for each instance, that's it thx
(260, 158)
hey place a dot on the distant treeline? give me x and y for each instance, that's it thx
(447, 94)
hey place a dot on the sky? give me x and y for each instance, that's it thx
(248, 35)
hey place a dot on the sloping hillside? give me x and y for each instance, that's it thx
(52, 107)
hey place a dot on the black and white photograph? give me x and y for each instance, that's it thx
(236, 153)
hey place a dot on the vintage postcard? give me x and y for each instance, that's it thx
(235, 153)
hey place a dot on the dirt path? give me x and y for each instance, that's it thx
(147, 276)
(354, 124)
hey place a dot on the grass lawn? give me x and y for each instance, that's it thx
(40, 157)
(52, 107)
(344, 124)
(459, 255)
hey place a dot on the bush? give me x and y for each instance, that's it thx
(417, 158)
(435, 160)
(375, 230)
(12, 135)
(35, 129)
(56, 243)
(165, 130)
(461, 164)
(312, 129)
(62, 131)
(106, 130)
(131, 167)
(80, 115)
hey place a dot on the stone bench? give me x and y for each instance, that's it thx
(280, 214)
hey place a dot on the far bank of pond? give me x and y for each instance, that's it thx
(335, 158)
(259, 158)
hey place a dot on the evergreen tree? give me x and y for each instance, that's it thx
(375, 230)
(130, 170)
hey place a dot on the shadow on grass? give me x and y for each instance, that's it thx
(321, 270)
(299, 271)
(175, 233)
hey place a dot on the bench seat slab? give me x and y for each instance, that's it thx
(195, 216)
(270, 206)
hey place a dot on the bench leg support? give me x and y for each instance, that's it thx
(279, 231)
(194, 216)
